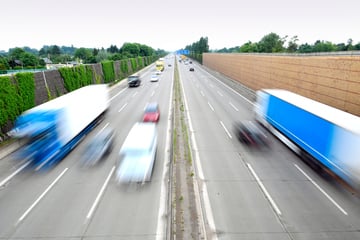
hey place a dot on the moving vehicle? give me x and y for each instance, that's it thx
(137, 154)
(98, 147)
(160, 64)
(251, 134)
(326, 135)
(134, 80)
(154, 77)
(51, 130)
(191, 69)
(151, 113)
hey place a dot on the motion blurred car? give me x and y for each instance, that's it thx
(98, 147)
(158, 72)
(134, 81)
(154, 78)
(137, 154)
(251, 134)
(191, 69)
(152, 113)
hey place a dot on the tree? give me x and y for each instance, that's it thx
(84, 54)
(249, 47)
(321, 46)
(292, 45)
(113, 49)
(130, 49)
(271, 43)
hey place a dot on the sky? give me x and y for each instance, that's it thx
(173, 24)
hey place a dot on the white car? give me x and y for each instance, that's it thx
(154, 78)
(137, 154)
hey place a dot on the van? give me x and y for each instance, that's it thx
(137, 154)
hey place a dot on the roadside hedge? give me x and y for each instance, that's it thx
(76, 77)
(108, 70)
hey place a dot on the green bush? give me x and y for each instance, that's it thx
(9, 100)
(26, 90)
(133, 64)
(108, 70)
(76, 77)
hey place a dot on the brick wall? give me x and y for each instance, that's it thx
(333, 80)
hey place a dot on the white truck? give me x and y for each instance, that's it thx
(54, 128)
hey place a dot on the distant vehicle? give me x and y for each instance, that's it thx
(169, 65)
(151, 113)
(157, 72)
(321, 134)
(251, 134)
(154, 78)
(160, 64)
(134, 81)
(137, 154)
(98, 147)
(51, 130)
(191, 69)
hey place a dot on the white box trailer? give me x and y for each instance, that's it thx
(55, 127)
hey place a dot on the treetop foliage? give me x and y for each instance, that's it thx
(273, 43)
(28, 57)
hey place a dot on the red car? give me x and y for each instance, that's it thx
(152, 113)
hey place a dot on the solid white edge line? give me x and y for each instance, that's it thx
(275, 207)
(227, 132)
(203, 189)
(211, 107)
(161, 222)
(123, 107)
(3, 182)
(98, 197)
(42, 195)
(321, 190)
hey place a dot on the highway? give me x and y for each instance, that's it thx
(71, 201)
(245, 193)
(253, 193)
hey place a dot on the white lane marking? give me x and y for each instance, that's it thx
(244, 98)
(218, 92)
(161, 222)
(272, 202)
(321, 190)
(211, 107)
(42, 195)
(152, 94)
(202, 93)
(227, 132)
(117, 94)
(3, 182)
(135, 93)
(92, 209)
(202, 189)
(233, 106)
(123, 107)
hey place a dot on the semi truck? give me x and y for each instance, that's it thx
(52, 129)
(327, 136)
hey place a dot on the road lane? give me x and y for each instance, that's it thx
(241, 208)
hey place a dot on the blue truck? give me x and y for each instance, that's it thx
(330, 137)
(52, 129)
